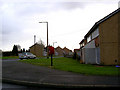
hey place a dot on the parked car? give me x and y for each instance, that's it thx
(44, 53)
(26, 55)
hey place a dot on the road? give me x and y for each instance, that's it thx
(7, 60)
(8, 86)
(31, 74)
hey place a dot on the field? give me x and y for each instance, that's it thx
(71, 65)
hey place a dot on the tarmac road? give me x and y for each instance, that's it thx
(10, 86)
(7, 86)
(30, 75)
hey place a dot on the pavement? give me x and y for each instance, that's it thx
(27, 74)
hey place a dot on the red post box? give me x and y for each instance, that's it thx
(51, 50)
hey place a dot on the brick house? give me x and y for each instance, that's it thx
(63, 52)
(59, 50)
(37, 49)
(66, 51)
(101, 45)
(82, 44)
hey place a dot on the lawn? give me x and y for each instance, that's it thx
(71, 65)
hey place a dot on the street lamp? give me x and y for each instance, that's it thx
(47, 38)
(54, 43)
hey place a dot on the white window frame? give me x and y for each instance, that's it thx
(95, 33)
(89, 38)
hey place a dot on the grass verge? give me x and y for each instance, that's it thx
(71, 65)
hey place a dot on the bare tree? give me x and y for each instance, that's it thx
(41, 42)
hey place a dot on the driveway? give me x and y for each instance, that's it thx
(22, 73)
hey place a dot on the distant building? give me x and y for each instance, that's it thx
(76, 54)
(37, 49)
(101, 45)
(82, 44)
(63, 52)
(59, 51)
(67, 51)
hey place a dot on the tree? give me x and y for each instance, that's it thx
(41, 42)
(28, 50)
(15, 50)
(23, 49)
(18, 47)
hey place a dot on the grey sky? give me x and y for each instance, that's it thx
(68, 21)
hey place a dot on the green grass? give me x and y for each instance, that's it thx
(71, 65)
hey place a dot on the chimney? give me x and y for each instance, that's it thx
(34, 39)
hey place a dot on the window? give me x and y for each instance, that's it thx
(95, 33)
(89, 38)
(80, 45)
(83, 44)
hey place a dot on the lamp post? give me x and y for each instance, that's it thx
(54, 43)
(47, 38)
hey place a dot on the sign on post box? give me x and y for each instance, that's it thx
(51, 50)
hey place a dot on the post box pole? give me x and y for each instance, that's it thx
(51, 60)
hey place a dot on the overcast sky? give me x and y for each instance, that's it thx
(68, 21)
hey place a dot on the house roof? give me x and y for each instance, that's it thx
(35, 44)
(76, 50)
(100, 21)
(58, 47)
(63, 49)
(81, 41)
(67, 49)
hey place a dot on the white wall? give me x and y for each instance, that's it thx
(91, 54)
(90, 44)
